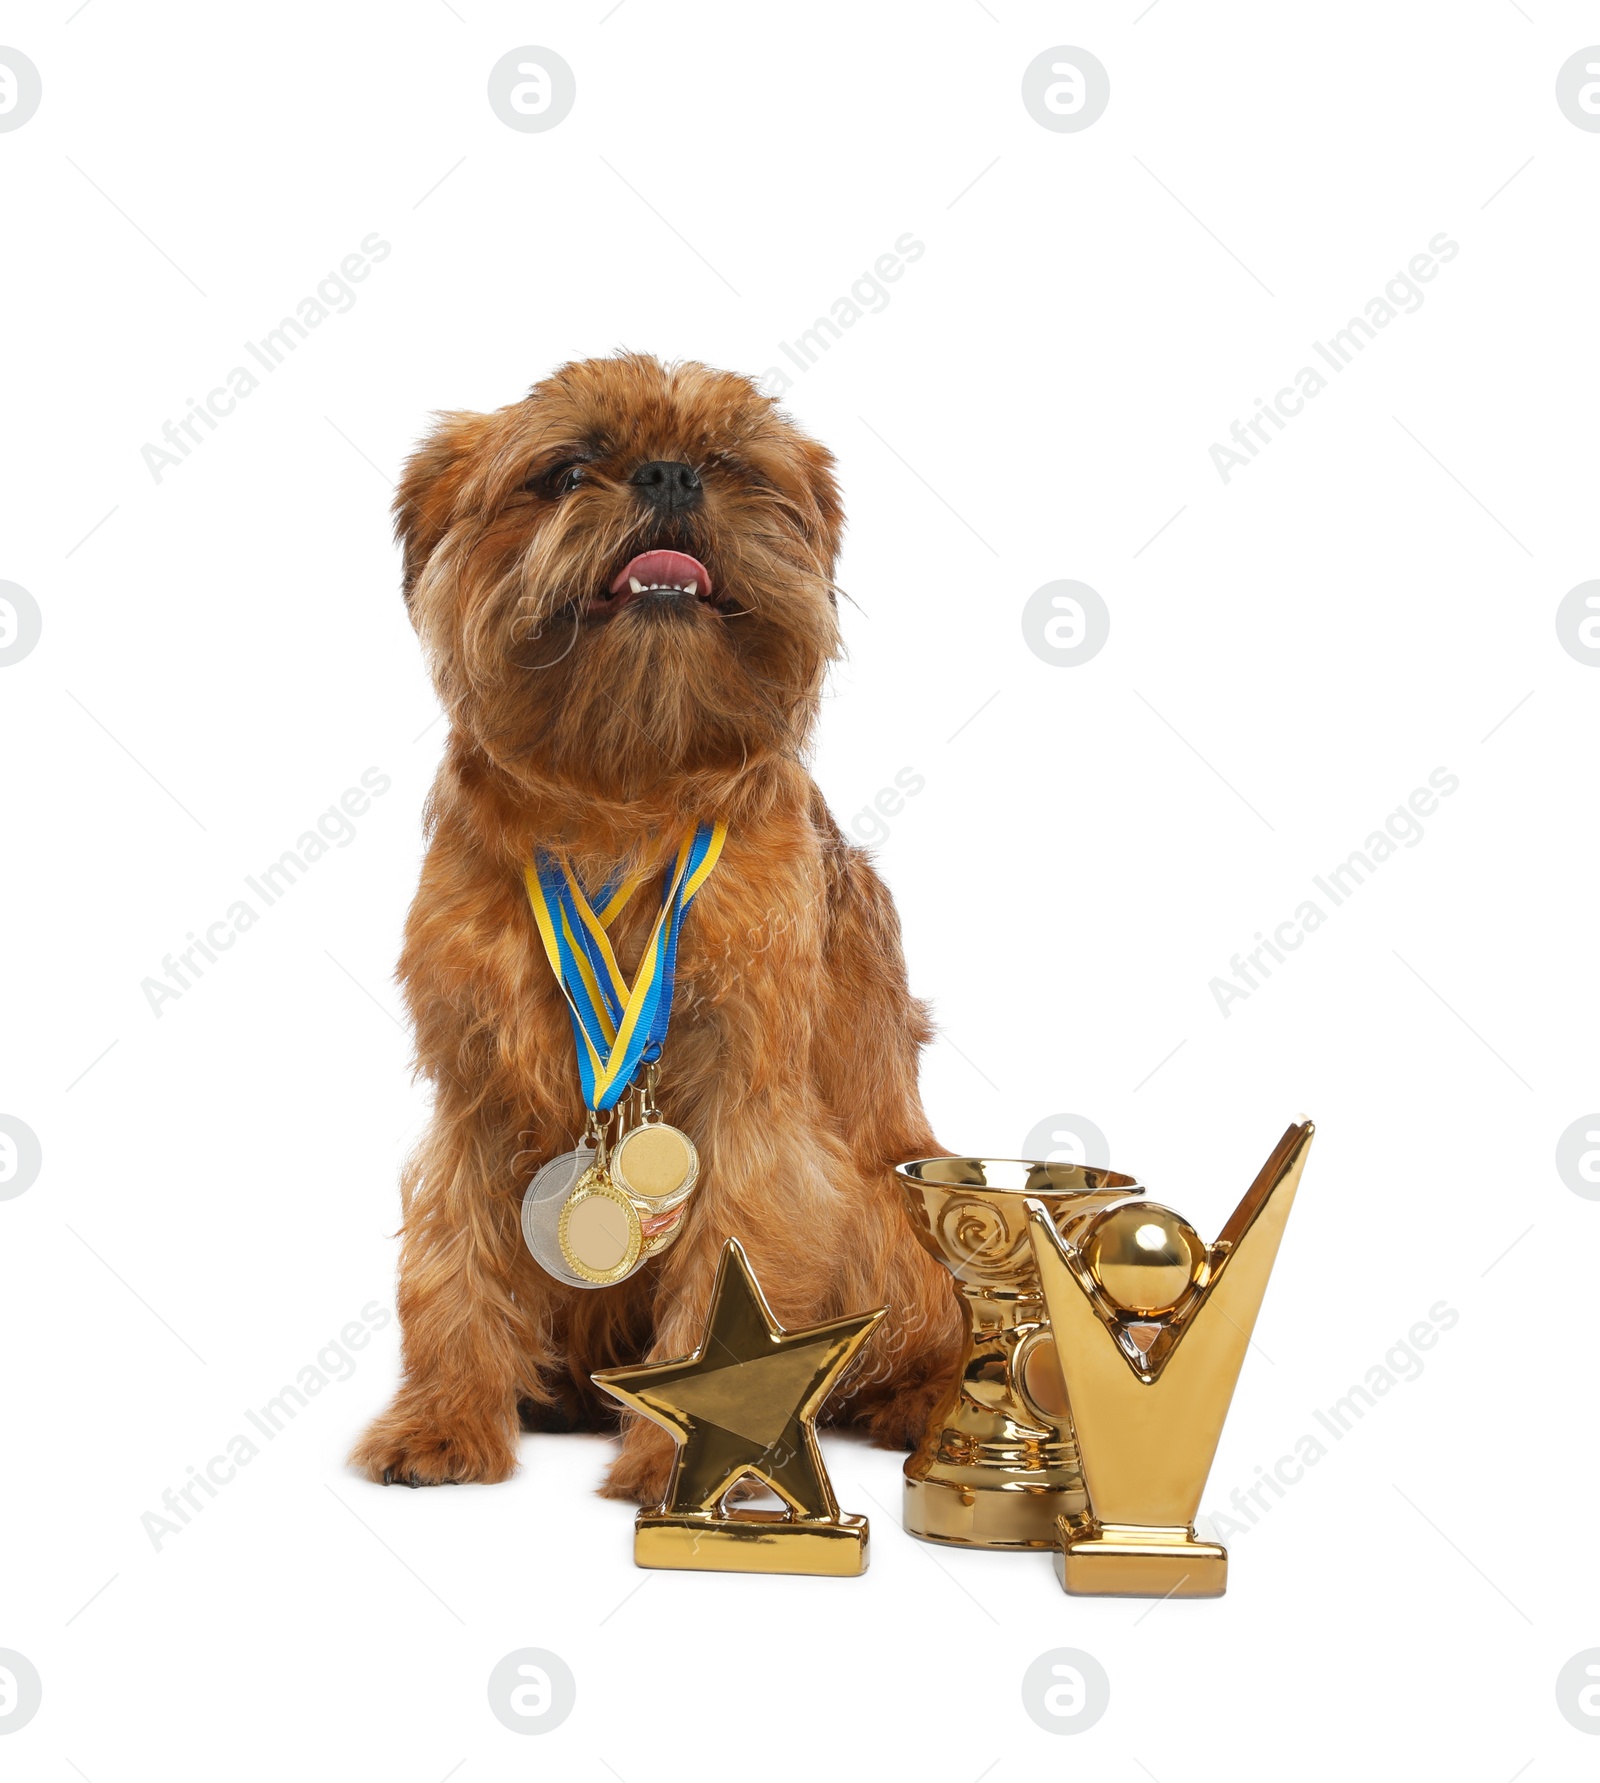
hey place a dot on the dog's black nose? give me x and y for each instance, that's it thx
(668, 486)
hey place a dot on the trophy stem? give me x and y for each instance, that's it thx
(999, 1467)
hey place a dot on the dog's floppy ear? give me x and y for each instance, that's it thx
(425, 502)
(825, 525)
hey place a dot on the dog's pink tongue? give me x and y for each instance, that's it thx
(666, 569)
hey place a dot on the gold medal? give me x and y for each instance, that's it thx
(655, 1161)
(599, 1231)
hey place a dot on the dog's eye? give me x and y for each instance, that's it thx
(560, 479)
(740, 469)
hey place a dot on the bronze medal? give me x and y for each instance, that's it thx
(659, 1229)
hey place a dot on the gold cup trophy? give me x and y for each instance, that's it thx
(1105, 1342)
(998, 1465)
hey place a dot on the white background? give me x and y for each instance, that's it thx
(1373, 598)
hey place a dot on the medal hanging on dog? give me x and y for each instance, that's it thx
(603, 1229)
(542, 1204)
(653, 1160)
(590, 1217)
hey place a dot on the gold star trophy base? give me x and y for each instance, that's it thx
(1127, 1560)
(750, 1541)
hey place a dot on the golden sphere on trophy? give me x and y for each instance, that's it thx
(1145, 1258)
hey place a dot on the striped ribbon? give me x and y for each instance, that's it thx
(616, 1025)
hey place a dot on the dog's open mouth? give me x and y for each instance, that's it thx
(658, 576)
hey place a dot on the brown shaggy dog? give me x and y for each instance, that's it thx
(602, 724)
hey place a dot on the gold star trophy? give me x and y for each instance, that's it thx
(1150, 1329)
(745, 1404)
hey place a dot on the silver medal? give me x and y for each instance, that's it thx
(542, 1204)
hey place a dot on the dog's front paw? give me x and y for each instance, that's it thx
(407, 1447)
(643, 1468)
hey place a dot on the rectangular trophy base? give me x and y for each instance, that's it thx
(750, 1541)
(1128, 1560)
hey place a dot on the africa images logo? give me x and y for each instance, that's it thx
(1401, 296)
(1402, 828)
(334, 296)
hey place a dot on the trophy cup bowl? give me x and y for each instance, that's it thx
(998, 1464)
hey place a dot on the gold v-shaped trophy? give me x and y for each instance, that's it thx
(1148, 1329)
